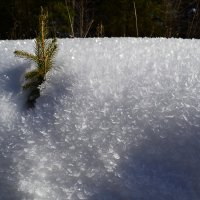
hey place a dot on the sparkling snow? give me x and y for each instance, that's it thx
(118, 119)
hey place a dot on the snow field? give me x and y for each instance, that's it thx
(118, 118)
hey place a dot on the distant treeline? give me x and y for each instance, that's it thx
(102, 18)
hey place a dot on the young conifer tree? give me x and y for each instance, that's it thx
(45, 51)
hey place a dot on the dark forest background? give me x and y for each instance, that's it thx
(102, 18)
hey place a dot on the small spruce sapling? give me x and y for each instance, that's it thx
(45, 51)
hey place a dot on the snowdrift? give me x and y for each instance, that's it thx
(118, 119)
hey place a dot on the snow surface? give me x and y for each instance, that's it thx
(118, 119)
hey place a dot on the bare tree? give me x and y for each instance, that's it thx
(81, 17)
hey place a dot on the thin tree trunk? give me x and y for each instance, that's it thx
(136, 22)
(70, 19)
(81, 17)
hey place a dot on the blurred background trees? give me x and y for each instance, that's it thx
(109, 18)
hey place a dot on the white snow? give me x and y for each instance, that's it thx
(118, 119)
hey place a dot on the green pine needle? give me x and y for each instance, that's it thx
(45, 51)
(23, 54)
(32, 74)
